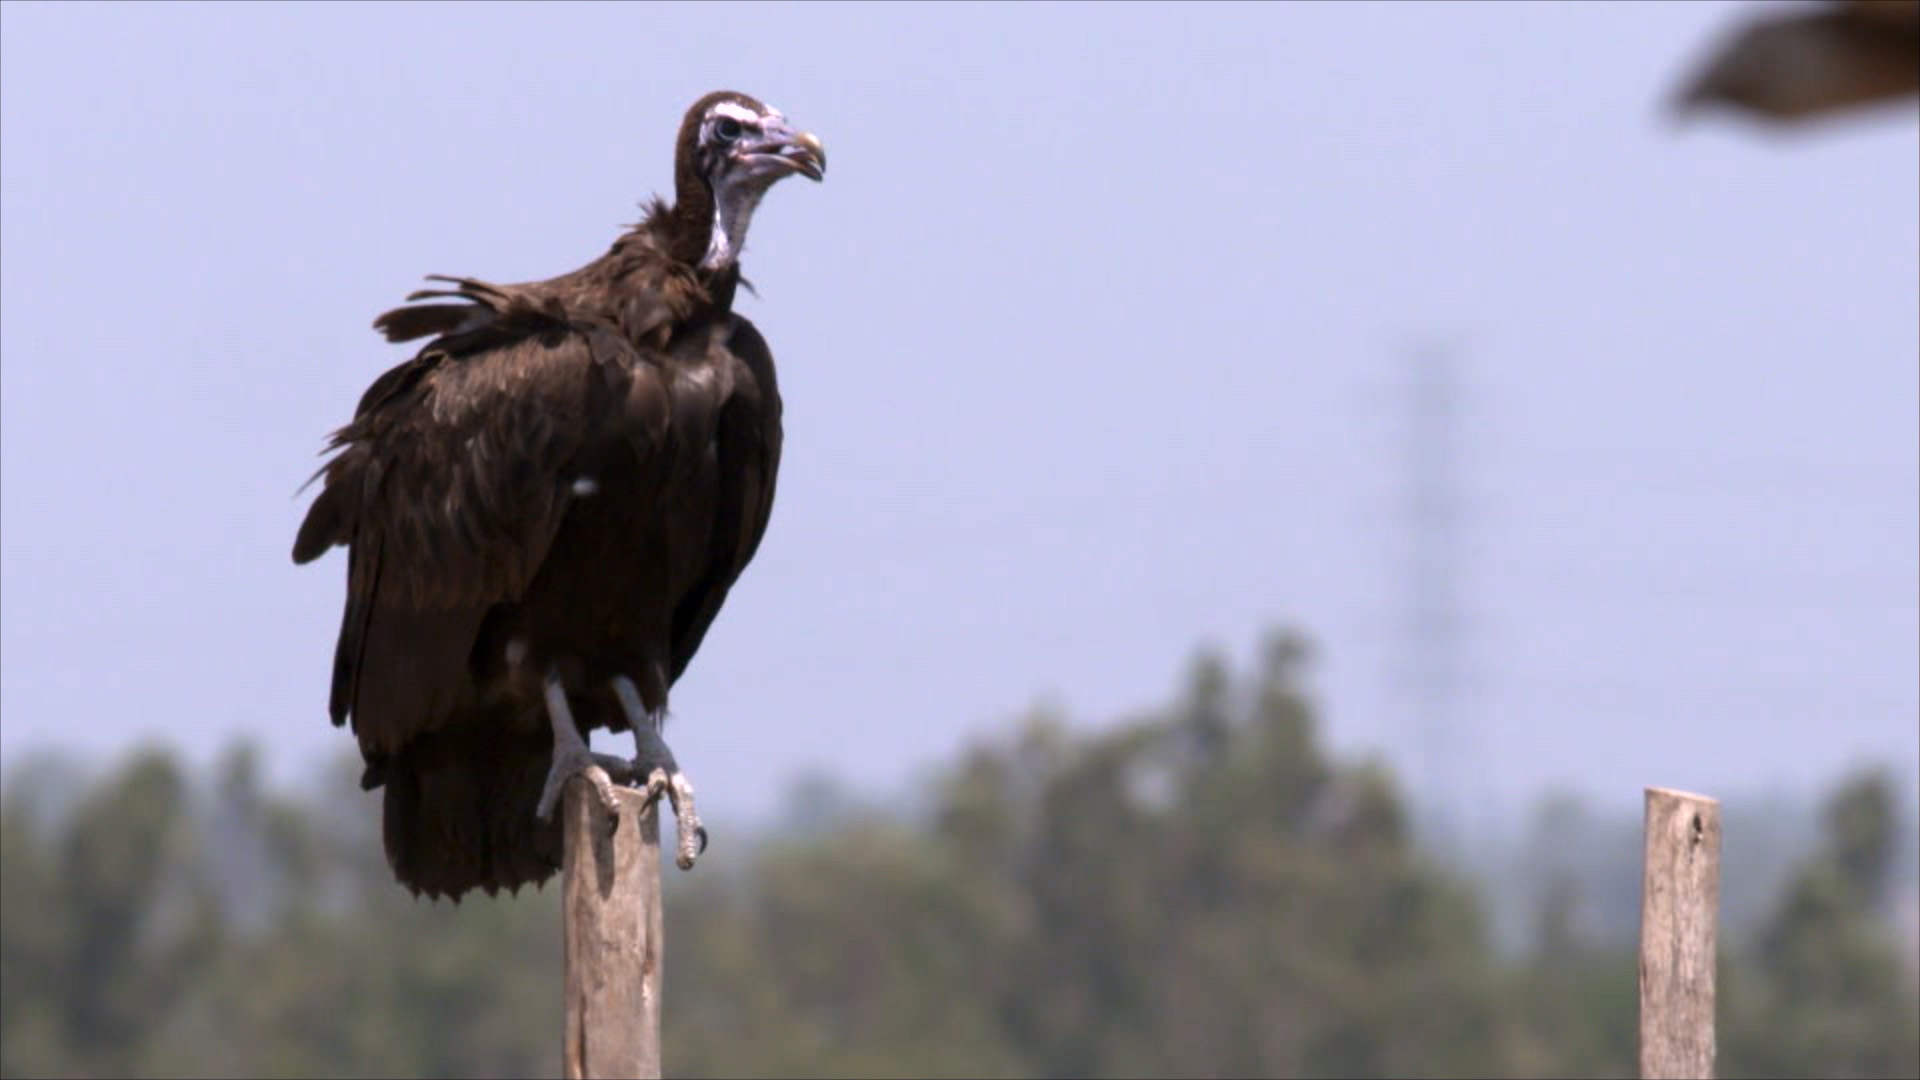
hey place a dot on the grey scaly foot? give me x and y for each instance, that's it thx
(654, 761)
(571, 756)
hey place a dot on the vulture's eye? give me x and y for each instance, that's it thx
(728, 129)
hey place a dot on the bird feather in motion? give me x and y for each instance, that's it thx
(544, 509)
(1811, 62)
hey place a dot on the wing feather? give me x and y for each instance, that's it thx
(449, 487)
(747, 440)
(450, 484)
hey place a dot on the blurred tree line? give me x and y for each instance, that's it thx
(1198, 892)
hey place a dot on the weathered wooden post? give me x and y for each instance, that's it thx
(610, 900)
(1679, 916)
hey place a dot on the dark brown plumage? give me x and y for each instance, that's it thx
(1811, 62)
(544, 510)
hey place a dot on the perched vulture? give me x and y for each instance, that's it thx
(543, 511)
(1814, 61)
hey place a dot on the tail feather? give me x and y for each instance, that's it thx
(459, 810)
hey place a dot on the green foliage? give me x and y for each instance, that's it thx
(1829, 995)
(1198, 892)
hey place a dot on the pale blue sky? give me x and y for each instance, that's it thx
(1090, 343)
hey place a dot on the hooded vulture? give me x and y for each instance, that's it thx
(543, 511)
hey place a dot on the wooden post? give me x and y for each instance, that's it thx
(611, 903)
(1679, 915)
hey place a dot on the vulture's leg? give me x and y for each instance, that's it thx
(571, 755)
(655, 762)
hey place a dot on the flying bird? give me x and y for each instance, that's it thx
(1812, 61)
(544, 509)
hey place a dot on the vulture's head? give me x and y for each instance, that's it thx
(732, 148)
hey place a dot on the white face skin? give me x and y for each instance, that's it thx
(740, 115)
(745, 153)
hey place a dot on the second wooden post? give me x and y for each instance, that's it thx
(1679, 918)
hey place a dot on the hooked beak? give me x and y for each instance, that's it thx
(799, 151)
(807, 156)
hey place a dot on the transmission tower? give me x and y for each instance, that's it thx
(1434, 623)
